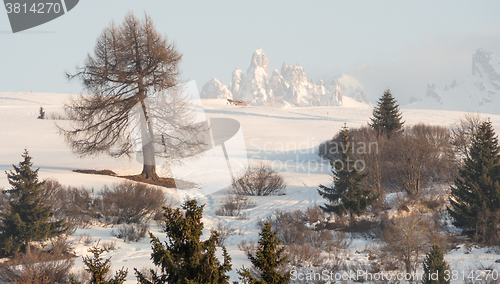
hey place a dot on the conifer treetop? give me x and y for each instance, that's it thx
(184, 258)
(435, 265)
(387, 117)
(99, 269)
(23, 178)
(266, 260)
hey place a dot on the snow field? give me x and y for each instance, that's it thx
(283, 137)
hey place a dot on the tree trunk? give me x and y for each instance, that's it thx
(352, 221)
(149, 172)
(27, 248)
(148, 149)
(149, 164)
(408, 265)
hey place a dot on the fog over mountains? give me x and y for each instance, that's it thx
(478, 92)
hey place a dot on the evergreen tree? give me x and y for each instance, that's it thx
(184, 259)
(98, 269)
(346, 196)
(41, 114)
(267, 259)
(28, 219)
(475, 196)
(435, 267)
(387, 116)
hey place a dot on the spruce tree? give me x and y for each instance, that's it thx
(27, 220)
(99, 269)
(435, 267)
(346, 195)
(41, 114)
(267, 259)
(475, 196)
(387, 116)
(184, 259)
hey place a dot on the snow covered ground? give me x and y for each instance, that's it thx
(283, 137)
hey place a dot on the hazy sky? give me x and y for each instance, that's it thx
(400, 44)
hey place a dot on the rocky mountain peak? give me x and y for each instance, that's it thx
(288, 88)
(259, 59)
(486, 65)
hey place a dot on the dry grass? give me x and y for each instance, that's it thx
(39, 267)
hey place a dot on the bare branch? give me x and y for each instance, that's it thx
(131, 64)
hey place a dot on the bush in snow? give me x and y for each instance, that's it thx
(131, 233)
(127, 202)
(300, 255)
(407, 239)
(260, 181)
(39, 266)
(224, 232)
(131, 202)
(77, 205)
(305, 237)
(233, 204)
(296, 227)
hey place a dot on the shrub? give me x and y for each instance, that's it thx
(37, 267)
(76, 205)
(261, 181)
(224, 233)
(431, 155)
(233, 204)
(247, 247)
(109, 246)
(303, 255)
(463, 133)
(292, 228)
(407, 238)
(131, 233)
(127, 202)
(81, 207)
(60, 246)
(86, 239)
(131, 202)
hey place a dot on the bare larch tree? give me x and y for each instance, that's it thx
(132, 66)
